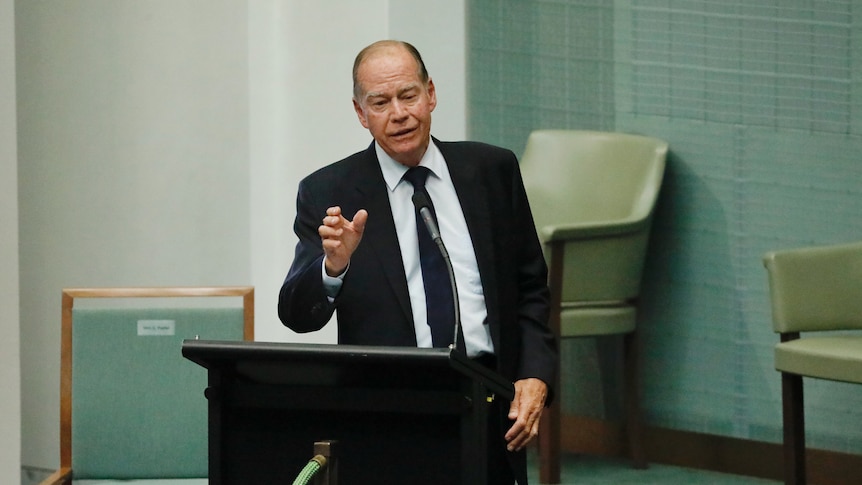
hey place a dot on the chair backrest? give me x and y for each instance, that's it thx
(589, 176)
(816, 288)
(591, 184)
(131, 406)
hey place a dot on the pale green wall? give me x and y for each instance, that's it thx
(760, 104)
(10, 363)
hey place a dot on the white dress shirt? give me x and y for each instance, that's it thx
(456, 237)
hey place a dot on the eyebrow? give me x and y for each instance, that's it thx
(401, 91)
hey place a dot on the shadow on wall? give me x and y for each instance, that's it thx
(689, 310)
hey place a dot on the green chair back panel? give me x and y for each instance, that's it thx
(814, 289)
(584, 176)
(138, 409)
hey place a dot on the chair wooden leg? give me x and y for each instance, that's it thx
(794, 429)
(549, 444)
(549, 426)
(631, 396)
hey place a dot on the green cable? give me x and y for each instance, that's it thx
(311, 468)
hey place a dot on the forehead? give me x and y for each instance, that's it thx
(386, 69)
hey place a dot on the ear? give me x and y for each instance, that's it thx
(432, 95)
(360, 113)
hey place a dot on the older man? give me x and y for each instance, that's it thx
(359, 252)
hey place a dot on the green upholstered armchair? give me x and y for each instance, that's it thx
(592, 196)
(813, 290)
(131, 407)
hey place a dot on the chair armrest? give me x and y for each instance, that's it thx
(590, 230)
(63, 476)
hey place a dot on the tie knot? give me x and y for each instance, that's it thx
(417, 176)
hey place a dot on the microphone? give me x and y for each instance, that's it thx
(420, 201)
(422, 204)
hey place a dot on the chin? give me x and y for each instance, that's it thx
(404, 149)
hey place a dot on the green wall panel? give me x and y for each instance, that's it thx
(759, 101)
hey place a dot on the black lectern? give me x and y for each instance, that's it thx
(399, 414)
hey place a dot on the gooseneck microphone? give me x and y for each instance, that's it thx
(422, 204)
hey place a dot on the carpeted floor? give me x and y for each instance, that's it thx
(591, 470)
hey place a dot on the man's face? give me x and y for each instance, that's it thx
(395, 106)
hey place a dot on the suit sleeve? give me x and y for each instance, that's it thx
(538, 344)
(302, 302)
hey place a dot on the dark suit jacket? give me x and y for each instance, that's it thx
(373, 306)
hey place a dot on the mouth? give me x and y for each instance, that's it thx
(402, 133)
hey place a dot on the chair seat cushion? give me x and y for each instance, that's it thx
(154, 481)
(582, 321)
(834, 358)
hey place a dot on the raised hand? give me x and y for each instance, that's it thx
(340, 238)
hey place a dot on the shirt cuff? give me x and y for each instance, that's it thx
(332, 284)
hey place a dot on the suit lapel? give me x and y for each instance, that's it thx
(380, 238)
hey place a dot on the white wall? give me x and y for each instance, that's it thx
(301, 55)
(161, 143)
(10, 366)
(438, 30)
(133, 163)
(300, 60)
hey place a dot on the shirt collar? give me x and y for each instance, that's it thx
(394, 171)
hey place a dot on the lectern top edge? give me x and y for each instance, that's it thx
(208, 354)
(231, 350)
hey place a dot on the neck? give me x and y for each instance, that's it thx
(413, 158)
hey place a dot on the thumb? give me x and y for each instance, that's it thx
(513, 409)
(359, 220)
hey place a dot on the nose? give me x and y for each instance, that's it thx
(399, 111)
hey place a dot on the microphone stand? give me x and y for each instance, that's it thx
(455, 300)
(420, 200)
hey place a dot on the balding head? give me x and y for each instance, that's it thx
(381, 48)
